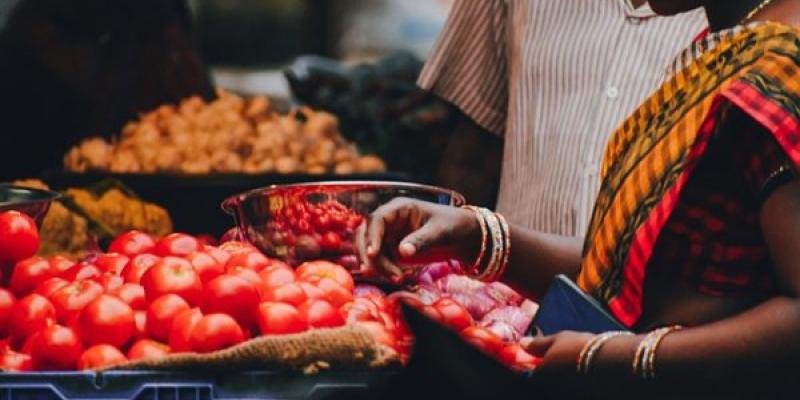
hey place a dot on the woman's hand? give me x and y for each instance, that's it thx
(411, 230)
(559, 352)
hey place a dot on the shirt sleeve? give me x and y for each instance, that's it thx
(468, 66)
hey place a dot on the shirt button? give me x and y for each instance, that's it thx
(612, 92)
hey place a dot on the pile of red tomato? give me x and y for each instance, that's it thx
(148, 298)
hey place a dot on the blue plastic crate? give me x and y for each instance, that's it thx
(156, 385)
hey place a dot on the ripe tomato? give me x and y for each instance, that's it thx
(132, 294)
(19, 237)
(177, 244)
(206, 239)
(206, 266)
(236, 247)
(132, 243)
(233, 296)
(330, 241)
(30, 314)
(48, 287)
(320, 314)
(218, 254)
(516, 358)
(107, 320)
(172, 275)
(313, 271)
(454, 316)
(483, 339)
(81, 271)
(56, 348)
(28, 274)
(360, 310)
(181, 333)
(311, 291)
(275, 276)
(7, 301)
(280, 318)
(59, 264)
(140, 317)
(432, 313)
(147, 349)
(290, 293)
(162, 313)
(216, 332)
(250, 260)
(74, 297)
(112, 262)
(11, 361)
(110, 281)
(248, 275)
(99, 356)
(137, 266)
(381, 334)
(334, 292)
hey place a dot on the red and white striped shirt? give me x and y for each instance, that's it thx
(555, 78)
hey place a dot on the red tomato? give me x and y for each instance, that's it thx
(74, 297)
(432, 313)
(206, 239)
(220, 255)
(454, 315)
(132, 243)
(132, 294)
(233, 296)
(216, 332)
(172, 275)
(181, 333)
(28, 274)
(137, 266)
(112, 262)
(516, 358)
(248, 275)
(330, 241)
(360, 310)
(81, 271)
(250, 260)
(206, 266)
(100, 356)
(320, 314)
(107, 320)
(11, 361)
(140, 317)
(291, 293)
(30, 314)
(177, 244)
(162, 313)
(110, 281)
(147, 349)
(275, 276)
(334, 292)
(313, 271)
(60, 264)
(381, 334)
(236, 247)
(19, 237)
(280, 318)
(56, 348)
(483, 339)
(48, 287)
(7, 301)
(311, 291)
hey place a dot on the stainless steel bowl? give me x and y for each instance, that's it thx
(272, 218)
(34, 202)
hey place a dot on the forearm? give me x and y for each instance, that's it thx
(536, 258)
(737, 354)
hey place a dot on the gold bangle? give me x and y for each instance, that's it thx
(484, 239)
(650, 357)
(507, 249)
(643, 360)
(640, 350)
(593, 346)
(497, 244)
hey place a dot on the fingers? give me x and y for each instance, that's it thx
(394, 272)
(537, 346)
(399, 209)
(421, 239)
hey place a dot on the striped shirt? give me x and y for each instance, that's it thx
(554, 78)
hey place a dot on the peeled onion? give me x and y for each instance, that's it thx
(504, 294)
(452, 284)
(511, 315)
(433, 271)
(477, 303)
(504, 331)
(363, 290)
(427, 293)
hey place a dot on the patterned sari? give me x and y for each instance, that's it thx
(650, 159)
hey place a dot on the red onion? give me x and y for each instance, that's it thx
(477, 303)
(504, 331)
(452, 284)
(428, 294)
(433, 271)
(231, 234)
(513, 316)
(529, 308)
(363, 290)
(504, 294)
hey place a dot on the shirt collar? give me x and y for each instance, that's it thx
(642, 12)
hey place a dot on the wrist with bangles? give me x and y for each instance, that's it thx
(495, 240)
(644, 359)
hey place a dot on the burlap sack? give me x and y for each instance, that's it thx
(349, 347)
